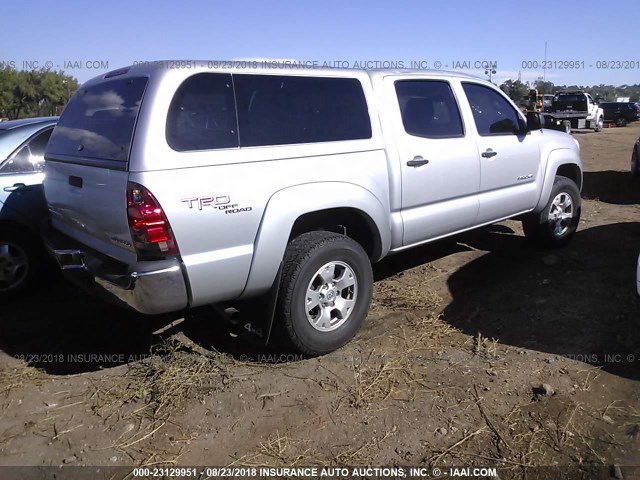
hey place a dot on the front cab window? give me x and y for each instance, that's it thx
(492, 113)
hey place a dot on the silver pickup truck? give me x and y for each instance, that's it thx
(174, 185)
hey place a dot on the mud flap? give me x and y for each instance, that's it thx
(261, 311)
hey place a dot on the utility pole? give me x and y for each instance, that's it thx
(490, 71)
(544, 67)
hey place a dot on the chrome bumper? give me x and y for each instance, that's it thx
(148, 287)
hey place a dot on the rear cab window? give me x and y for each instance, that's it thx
(280, 110)
(97, 124)
(570, 101)
(429, 109)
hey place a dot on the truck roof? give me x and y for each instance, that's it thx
(265, 66)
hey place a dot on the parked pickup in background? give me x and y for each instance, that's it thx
(574, 109)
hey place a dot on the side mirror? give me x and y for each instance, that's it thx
(535, 121)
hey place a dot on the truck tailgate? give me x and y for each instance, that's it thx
(90, 205)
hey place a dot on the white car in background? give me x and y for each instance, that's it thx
(22, 203)
(638, 276)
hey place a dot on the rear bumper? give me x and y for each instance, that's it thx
(147, 287)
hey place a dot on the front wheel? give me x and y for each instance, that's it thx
(556, 224)
(19, 264)
(325, 291)
(599, 125)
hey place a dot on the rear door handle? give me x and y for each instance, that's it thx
(417, 161)
(15, 187)
(489, 153)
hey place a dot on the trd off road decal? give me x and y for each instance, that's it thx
(218, 202)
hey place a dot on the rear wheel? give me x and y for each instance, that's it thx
(19, 263)
(566, 126)
(325, 291)
(557, 222)
(635, 166)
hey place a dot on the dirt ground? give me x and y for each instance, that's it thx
(479, 350)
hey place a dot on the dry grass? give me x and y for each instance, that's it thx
(376, 379)
(392, 295)
(378, 376)
(591, 376)
(485, 347)
(154, 390)
(277, 450)
(423, 331)
(171, 375)
(18, 377)
(393, 372)
(175, 371)
(555, 431)
(544, 434)
(369, 379)
(281, 450)
(349, 455)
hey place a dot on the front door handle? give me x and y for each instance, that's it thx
(489, 153)
(417, 161)
(15, 187)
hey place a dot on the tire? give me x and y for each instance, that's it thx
(635, 163)
(599, 125)
(556, 224)
(566, 126)
(19, 264)
(313, 263)
(621, 122)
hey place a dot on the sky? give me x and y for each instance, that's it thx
(86, 39)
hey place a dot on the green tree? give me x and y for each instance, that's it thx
(24, 94)
(544, 87)
(33, 93)
(516, 90)
(8, 79)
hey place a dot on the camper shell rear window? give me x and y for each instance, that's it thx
(99, 120)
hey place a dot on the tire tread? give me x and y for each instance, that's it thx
(534, 225)
(298, 253)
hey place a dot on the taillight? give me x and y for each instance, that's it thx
(150, 230)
